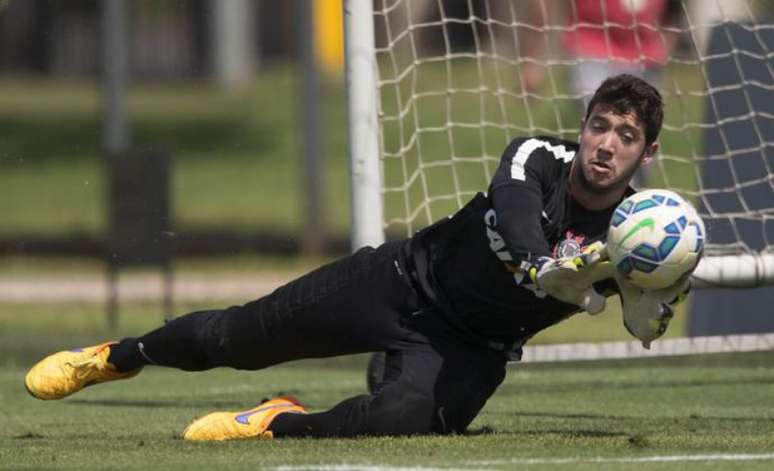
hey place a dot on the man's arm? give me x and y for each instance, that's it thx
(528, 169)
(516, 193)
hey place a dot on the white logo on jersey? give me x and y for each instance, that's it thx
(496, 242)
(528, 147)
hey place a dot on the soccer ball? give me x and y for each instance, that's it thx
(655, 237)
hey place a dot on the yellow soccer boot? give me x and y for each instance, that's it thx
(64, 373)
(243, 425)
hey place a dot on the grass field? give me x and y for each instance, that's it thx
(692, 413)
(597, 417)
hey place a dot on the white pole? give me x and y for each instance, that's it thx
(115, 64)
(312, 176)
(735, 271)
(363, 125)
(231, 33)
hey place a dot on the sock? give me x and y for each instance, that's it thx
(126, 355)
(187, 343)
(297, 425)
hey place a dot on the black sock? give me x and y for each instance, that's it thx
(297, 425)
(187, 343)
(126, 356)
(346, 419)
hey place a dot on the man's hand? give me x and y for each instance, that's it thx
(646, 313)
(570, 279)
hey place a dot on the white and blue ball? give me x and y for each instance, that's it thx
(655, 237)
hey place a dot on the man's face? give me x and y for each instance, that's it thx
(612, 147)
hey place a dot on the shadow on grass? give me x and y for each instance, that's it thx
(566, 415)
(693, 418)
(517, 388)
(182, 402)
(159, 404)
(566, 433)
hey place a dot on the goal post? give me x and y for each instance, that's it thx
(363, 125)
(438, 88)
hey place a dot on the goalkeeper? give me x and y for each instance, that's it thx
(449, 306)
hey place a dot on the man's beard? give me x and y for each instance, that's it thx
(621, 181)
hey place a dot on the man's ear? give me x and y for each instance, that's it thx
(649, 153)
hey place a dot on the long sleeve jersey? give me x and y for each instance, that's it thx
(471, 264)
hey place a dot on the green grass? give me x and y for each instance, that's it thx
(603, 410)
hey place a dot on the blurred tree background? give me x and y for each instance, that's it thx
(217, 85)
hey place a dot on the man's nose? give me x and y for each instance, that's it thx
(607, 145)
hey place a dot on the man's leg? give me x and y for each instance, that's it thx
(350, 306)
(438, 388)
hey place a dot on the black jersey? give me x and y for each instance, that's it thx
(469, 264)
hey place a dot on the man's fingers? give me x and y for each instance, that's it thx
(600, 270)
(592, 302)
(597, 247)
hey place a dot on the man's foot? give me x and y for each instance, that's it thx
(247, 424)
(65, 373)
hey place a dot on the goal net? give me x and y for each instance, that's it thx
(456, 80)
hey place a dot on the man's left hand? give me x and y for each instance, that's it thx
(646, 313)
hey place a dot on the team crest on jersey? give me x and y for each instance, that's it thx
(570, 246)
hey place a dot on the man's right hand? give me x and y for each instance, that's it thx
(571, 279)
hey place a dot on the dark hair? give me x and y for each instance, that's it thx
(626, 93)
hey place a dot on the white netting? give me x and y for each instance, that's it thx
(458, 79)
(456, 85)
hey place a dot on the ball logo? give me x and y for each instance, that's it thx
(647, 222)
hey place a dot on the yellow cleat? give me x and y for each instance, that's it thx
(248, 424)
(64, 373)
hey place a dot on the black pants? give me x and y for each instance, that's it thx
(433, 382)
